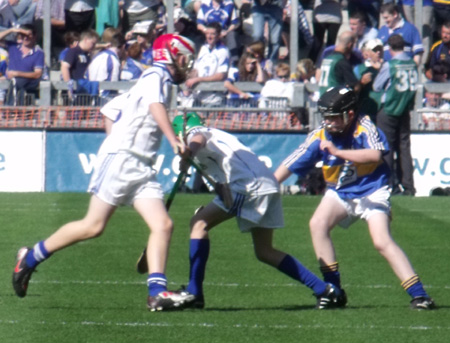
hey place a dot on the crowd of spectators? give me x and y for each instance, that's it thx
(240, 40)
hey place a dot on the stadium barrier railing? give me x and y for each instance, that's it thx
(51, 109)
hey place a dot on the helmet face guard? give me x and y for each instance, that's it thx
(168, 48)
(337, 101)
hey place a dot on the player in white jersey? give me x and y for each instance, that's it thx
(124, 175)
(249, 192)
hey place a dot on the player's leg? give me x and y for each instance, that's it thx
(92, 225)
(326, 216)
(327, 295)
(155, 215)
(203, 221)
(384, 243)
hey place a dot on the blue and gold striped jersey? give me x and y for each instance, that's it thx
(350, 180)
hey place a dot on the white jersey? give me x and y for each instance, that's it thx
(227, 160)
(134, 129)
(210, 62)
(104, 67)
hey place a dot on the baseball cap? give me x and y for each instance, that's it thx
(373, 43)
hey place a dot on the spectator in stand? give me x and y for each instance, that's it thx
(278, 87)
(327, 18)
(211, 65)
(58, 26)
(249, 69)
(364, 33)
(440, 51)
(441, 14)
(257, 49)
(395, 24)
(336, 69)
(305, 71)
(7, 17)
(132, 68)
(135, 11)
(71, 39)
(144, 33)
(223, 12)
(370, 8)
(26, 63)
(271, 12)
(407, 7)
(369, 100)
(397, 80)
(75, 64)
(80, 15)
(434, 118)
(106, 65)
(107, 14)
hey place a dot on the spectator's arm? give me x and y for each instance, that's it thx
(5, 33)
(418, 59)
(233, 89)
(36, 74)
(65, 71)
(215, 77)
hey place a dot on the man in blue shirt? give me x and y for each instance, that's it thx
(26, 63)
(395, 24)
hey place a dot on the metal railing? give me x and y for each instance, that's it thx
(231, 114)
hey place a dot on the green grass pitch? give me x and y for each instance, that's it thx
(91, 293)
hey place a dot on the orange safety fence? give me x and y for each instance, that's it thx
(87, 117)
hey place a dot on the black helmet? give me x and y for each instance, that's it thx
(337, 101)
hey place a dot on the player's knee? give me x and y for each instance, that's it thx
(92, 230)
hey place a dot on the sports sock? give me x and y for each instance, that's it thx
(293, 268)
(331, 274)
(198, 256)
(156, 283)
(38, 254)
(414, 287)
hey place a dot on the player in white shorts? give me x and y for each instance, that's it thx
(247, 190)
(123, 174)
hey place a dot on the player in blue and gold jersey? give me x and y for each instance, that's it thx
(351, 149)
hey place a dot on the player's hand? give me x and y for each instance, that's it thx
(224, 193)
(328, 146)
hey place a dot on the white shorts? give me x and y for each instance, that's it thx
(119, 179)
(262, 211)
(377, 202)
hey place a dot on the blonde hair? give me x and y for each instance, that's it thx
(282, 67)
(305, 67)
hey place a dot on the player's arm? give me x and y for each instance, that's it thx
(282, 173)
(356, 156)
(159, 112)
(108, 125)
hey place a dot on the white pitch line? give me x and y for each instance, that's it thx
(214, 284)
(255, 326)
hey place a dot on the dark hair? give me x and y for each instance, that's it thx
(134, 51)
(396, 42)
(359, 15)
(390, 8)
(71, 37)
(118, 40)
(244, 75)
(29, 27)
(216, 26)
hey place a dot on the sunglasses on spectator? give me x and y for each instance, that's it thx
(25, 36)
(283, 77)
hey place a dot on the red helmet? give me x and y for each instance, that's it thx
(167, 47)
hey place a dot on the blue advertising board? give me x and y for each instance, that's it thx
(70, 157)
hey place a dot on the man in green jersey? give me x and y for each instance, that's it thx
(398, 80)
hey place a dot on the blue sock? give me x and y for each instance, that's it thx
(293, 268)
(156, 283)
(414, 287)
(331, 274)
(38, 254)
(198, 256)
